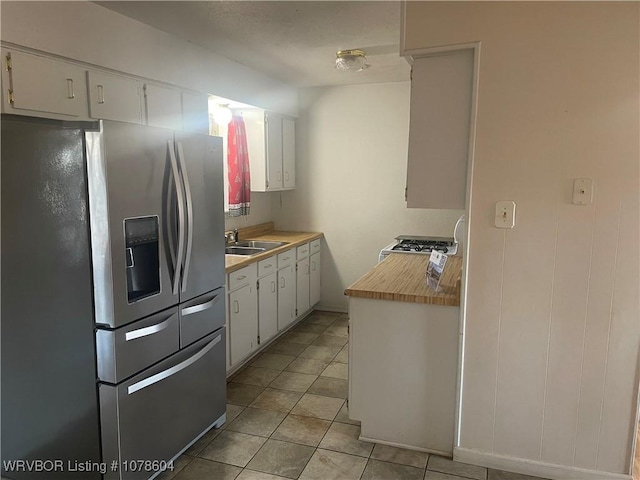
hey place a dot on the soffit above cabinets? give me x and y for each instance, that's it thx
(293, 41)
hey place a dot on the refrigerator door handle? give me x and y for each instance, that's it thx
(158, 377)
(185, 179)
(181, 216)
(150, 330)
(200, 307)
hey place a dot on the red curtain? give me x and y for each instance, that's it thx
(238, 162)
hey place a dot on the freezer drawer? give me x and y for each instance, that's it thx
(201, 316)
(157, 413)
(125, 351)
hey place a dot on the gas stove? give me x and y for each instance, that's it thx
(420, 245)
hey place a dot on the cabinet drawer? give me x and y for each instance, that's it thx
(265, 267)
(127, 350)
(286, 258)
(244, 276)
(201, 316)
(302, 251)
(315, 246)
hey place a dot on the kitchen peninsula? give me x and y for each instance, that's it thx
(403, 351)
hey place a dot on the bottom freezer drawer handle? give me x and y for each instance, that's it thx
(158, 377)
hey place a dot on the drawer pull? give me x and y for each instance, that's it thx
(70, 92)
(158, 377)
(268, 266)
(241, 277)
(200, 307)
(285, 258)
(150, 330)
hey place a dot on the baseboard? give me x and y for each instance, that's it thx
(406, 447)
(331, 308)
(531, 467)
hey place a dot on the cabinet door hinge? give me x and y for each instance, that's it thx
(406, 193)
(258, 339)
(296, 312)
(9, 63)
(11, 97)
(296, 267)
(411, 73)
(267, 183)
(258, 287)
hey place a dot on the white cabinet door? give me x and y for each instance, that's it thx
(439, 126)
(113, 97)
(195, 112)
(286, 296)
(288, 153)
(302, 287)
(243, 322)
(274, 151)
(39, 84)
(267, 307)
(314, 279)
(163, 106)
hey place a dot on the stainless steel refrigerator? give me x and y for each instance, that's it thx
(153, 205)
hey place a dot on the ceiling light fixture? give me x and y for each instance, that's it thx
(222, 115)
(351, 60)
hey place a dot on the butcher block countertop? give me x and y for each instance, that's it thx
(402, 278)
(266, 232)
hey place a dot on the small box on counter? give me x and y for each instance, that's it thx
(435, 267)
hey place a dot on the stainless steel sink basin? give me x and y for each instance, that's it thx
(260, 244)
(240, 250)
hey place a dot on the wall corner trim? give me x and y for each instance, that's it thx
(531, 467)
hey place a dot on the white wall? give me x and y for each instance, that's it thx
(90, 33)
(553, 330)
(350, 178)
(260, 212)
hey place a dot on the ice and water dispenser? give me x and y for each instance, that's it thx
(142, 254)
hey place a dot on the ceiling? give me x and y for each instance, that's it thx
(293, 41)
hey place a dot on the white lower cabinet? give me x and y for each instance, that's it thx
(314, 279)
(267, 300)
(266, 297)
(243, 313)
(302, 280)
(286, 296)
(302, 287)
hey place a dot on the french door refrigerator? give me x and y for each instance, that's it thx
(153, 204)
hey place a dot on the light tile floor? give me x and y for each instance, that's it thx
(287, 418)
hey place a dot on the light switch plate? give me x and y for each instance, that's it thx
(582, 191)
(505, 214)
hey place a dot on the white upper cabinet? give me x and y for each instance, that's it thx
(34, 85)
(271, 143)
(195, 112)
(114, 97)
(439, 130)
(288, 153)
(163, 106)
(273, 124)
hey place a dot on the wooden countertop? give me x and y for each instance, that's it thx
(266, 232)
(401, 277)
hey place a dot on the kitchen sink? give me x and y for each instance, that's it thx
(240, 250)
(259, 244)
